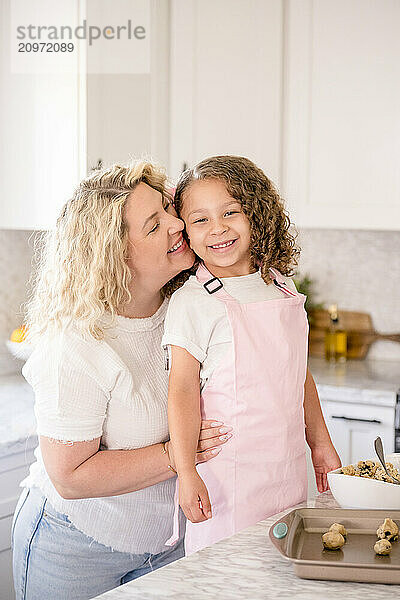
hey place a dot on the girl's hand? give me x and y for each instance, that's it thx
(193, 497)
(209, 441)
(325, 459)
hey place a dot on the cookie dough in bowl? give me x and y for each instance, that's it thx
(361, 491)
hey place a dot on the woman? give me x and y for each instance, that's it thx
(97, 506)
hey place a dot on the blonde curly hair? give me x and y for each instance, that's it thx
(272, 244)
(81, 271)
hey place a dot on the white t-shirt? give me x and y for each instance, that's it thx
(115, 389)
(197, 320)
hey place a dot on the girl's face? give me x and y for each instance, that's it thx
(157, 249)
(218, 230)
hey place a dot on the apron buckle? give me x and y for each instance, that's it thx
(214, 287)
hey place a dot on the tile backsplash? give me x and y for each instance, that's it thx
(360, 270)
(16, 255)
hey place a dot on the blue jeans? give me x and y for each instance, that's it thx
(54, 560)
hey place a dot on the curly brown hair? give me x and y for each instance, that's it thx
(272, 244)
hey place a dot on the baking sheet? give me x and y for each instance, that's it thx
(356, 561)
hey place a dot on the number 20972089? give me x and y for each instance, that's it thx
(45, 47)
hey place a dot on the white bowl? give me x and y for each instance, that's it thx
(21, 350)
(359, 492)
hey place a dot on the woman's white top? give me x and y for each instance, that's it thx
(197, 320)
(115, 389)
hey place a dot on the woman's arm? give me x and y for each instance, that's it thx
(323, 453)
(81, 470)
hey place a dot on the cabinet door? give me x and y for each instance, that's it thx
(13, 469)
(6, 578)
(41, 155)
(354, 427)
(226, 72)
(341, 137)
(128, 113)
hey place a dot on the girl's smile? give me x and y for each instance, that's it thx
(223, 246)
(218, 230)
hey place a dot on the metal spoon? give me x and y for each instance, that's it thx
(380, 454)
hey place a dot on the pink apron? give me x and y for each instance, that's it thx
(259, 391)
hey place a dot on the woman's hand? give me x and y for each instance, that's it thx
(325, 459)
(193, 497)
(211, 438)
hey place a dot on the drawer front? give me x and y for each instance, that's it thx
(354, 427)
(5, 533)
(6, 582)
(10, 489)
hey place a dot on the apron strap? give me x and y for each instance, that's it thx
(213, 285)
(175, 527)
(281, 284)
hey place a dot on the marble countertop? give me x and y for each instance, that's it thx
(367, 382)
(361, 381)
(244, 567)
(17, 419)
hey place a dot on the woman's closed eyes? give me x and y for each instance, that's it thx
(166, 207)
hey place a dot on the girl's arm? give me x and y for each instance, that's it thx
(184, 408)
(82, 470)
(323, 453)
(316, 431)
(184, 423)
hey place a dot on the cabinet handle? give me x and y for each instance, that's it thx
(98, 166)
(360, 420)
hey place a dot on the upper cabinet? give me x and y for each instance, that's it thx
(56, 127)
(341, 114)
(309, 90)
(42, 148)
(128, 113)
(226, 81)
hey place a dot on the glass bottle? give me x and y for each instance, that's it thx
(335, 337)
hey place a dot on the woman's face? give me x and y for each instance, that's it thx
(157, 249)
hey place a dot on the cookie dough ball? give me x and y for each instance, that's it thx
(339, 528)
(333, 540)
(388, 530)
(383, 547)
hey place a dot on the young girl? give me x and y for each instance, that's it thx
(237, 334)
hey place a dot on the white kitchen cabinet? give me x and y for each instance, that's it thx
(354, 427)
(128, 113)
(308, 90)
(14, 467)
(56, 127)
(341, 115)
(41, 151)
(226, 82)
